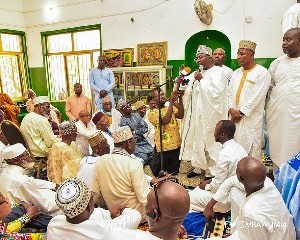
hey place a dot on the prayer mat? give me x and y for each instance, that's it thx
(195, 226)
(18, 236)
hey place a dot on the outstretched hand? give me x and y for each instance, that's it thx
(116, 210)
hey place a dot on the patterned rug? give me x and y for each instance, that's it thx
(195, 226)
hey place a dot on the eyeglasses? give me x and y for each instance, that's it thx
(3, 200)
(155, 186)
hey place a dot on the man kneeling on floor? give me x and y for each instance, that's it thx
(81, 220)
(224, 168)
(258, 211)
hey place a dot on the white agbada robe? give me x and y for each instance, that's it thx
(252, 101)
(96, 227)
(291, 18)
(228, 72)
(263, 215)
(18, 187)
(283, 109)
(225, 167)
(116, 117)
(205, 104)
(130, 234)
(83, 133)
(150, 135)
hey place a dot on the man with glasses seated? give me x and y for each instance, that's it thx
(37, 130)
(17, 186)
(166, 208)
(81, 219)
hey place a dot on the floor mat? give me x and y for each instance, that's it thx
(195, 226)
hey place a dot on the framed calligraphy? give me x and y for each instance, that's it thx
(150, 54)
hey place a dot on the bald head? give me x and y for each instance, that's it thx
(219, 57)
(252, 173)
(174, 203)
(291, 43)
(83, 113)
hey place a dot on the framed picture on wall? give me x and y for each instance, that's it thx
(151, 54)
(127, 54)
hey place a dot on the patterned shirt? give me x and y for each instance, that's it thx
(170, 132)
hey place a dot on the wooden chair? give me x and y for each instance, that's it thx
(13, 135)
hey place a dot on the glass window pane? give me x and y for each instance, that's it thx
(87, 40)
(95, 58)
(57, 77)
(11, 42)
(9, 73)
(78, 71)
(59, 43)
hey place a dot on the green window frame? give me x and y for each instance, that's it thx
(69, 63)
(14, 71)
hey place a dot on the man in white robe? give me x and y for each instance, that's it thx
(81, 219)
(218, 60)
(225, 167)
(205, 103)
(291, 18)
(262, 214)
(283, 111)
(85, 128)
(247, 94)
(17, 186)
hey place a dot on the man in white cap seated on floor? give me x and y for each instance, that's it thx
(17, 186)
(81, 220)
(37, 129)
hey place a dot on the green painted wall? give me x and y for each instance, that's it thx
(39, 81)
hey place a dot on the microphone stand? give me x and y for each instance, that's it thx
(162, 172)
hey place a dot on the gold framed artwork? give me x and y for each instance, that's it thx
(127, 54)
(150, 54)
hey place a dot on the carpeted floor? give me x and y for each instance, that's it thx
(186, 167)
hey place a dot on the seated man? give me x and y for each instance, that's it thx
(37, 130)
(81, 220)
(17, 216)
(11, 111)
(85, 129)
(166, 208)
(225, 167)
(120, 178)
(64, 157)
(99, 147)
(262, 213)
(76, 103)
(54, 112)
(140, 108)
(17, 186)
(113, 115)
(138, 127)
(102, 124)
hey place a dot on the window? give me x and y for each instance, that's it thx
(70, 55)
(13, 68)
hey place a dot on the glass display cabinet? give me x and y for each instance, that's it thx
(132, 82)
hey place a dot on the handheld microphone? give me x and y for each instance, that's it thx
(200, 68)
(178, 80)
